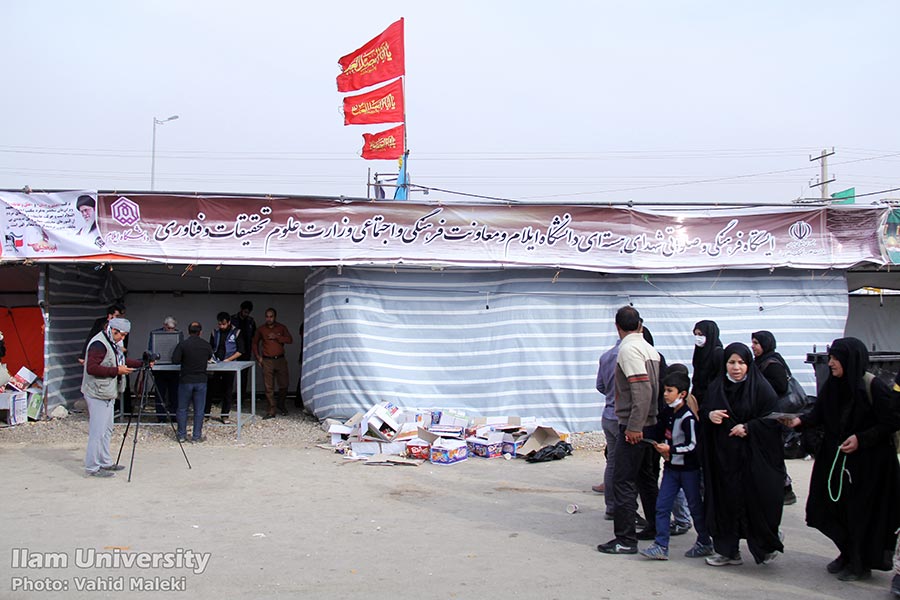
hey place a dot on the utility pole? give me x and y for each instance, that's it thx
(823, 178)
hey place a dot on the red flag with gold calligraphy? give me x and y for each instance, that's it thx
(383, 105)
(380, 59)
(385, 145)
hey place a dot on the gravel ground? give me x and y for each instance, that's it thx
(297, 430)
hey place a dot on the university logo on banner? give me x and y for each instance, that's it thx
(384, 105)
(385, 145)
(380, 59)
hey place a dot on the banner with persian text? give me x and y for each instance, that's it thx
(309, 231)
(314, 231)
(49, 225)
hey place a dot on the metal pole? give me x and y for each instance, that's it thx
(153, 158)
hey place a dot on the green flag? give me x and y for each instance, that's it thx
(847, 196)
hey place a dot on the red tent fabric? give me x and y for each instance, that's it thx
(23, 334)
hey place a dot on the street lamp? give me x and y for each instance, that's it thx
(153, 150)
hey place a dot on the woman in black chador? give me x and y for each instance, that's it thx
(743, 462)
(854, 490)
(707, 360)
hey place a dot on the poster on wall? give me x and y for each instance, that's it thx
(49, 225)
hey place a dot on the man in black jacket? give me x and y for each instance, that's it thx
(193, 354)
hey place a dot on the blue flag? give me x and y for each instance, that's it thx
(402, 191)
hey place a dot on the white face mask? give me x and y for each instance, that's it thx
(674, 405)
(699, 340)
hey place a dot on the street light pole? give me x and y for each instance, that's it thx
(153, 149)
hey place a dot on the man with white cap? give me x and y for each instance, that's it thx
(105, 370)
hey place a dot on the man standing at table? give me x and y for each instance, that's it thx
(273, 336)
(228, 344)
(193, 354)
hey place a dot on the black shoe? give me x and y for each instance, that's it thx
(269, 416)
(837, 565)
(851, 575)
(895, 586)
(609, 517)
(617, 547)
(640, 522)
(646, 534)
(676, 529)
(789, 497)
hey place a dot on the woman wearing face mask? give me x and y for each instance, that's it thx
(708, 359)
(742, 462)
(854, 489)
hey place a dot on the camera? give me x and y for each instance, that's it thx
(149, 357)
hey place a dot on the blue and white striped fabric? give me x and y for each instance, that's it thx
(526, 342)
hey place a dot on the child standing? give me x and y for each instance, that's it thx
(682, 472)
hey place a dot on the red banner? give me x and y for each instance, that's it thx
(384, 105)
(385, 145)
(378, 60)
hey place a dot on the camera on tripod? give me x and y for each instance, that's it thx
(148, 358)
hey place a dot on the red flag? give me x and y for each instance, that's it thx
(378, 60)
(383, 105)
(385, 145)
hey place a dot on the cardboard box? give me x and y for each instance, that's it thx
(17, 405)
(542, 436)
(448, 431)
(512, 443)
(35, 402)
(23, 379)
(378, 424)
(448, 452)
(372, 448)
(418, 448)
(489, 447)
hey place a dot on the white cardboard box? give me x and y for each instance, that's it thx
(17, 405)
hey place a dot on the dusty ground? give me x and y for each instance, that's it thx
(282, 518)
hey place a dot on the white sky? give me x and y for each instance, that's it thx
(559, 101)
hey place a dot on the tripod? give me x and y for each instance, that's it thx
(145, 383)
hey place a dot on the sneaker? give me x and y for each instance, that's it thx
(615, 546)
(895, 585)
(676, 529)
(646, 534)
(837, 565)
(769, 558)
(99, 473)
(269, 416)
(655, 551)
(790, 497)
(600, 489)
(198, 440)
(182, 439)
(699, 550)
(719, 560)
(640, 522)
(112, 468)
(224, 419)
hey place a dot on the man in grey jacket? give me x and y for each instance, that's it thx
(105, 370)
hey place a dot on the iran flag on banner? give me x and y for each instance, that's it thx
(380, 59)
(385, 145)
(383, 105)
